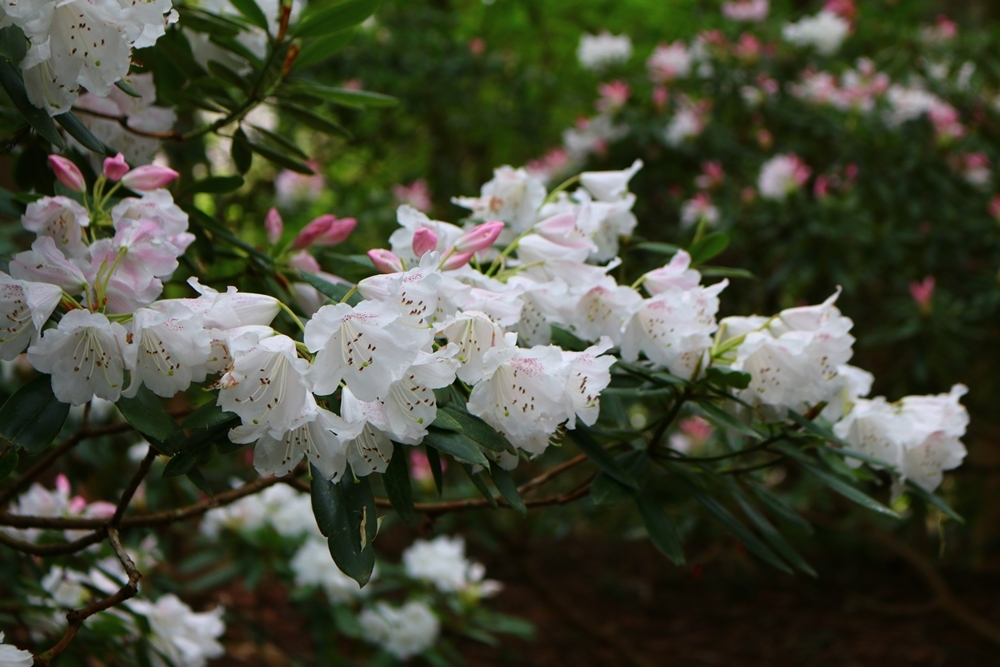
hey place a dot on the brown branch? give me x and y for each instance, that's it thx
(76, 617)
(123, 121)
(51, 549)
(130, 490)
(551, 473)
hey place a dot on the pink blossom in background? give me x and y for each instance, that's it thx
(821, 188)
(994, 207)
(696, 427)
(660, 97)
(352, 84)
(944, 28)
(614, 95)
(669, 62)
(712, 176)
(746, 10)
(420, 467)
(851, 171)
(712, 38)
(292, 188)
(947, 122)
(765, 138)
(416, 194)
(922, 293)
(697, 209)
(842, 8)
(549, 165)
(782, 175)
(274, 226)
(303, 261)
(477, 46)
(975, 169)
(747, 47)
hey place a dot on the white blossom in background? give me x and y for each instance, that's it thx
(596, 52)
(178, 635)
(698, 208)
(746, 10)
(403, 631)
(781, 176)
(58, 502)
(687, 123)
(11, 656)
(918, 436)
(591, 136)
(441, 562)
(825, 32)
(669, 62)
(313, 566)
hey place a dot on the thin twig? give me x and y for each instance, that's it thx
(123, 121)
(51, 549)
(133, 485)
(76, 617)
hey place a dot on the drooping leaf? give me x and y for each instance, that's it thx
(240, 152)
(780, 509)
(127, 88)
(605, 490)
(39, 119)
(197, 478)
(13, 44)
(352, 98)
(662, 531)
(770, 533)
(396, 480)
(310, 118)
(724, 420)
(33, 416)
(215, 185)
(252, 12)
(458, 445)
(505, 484)
(934, 500)
(321, 48)
(477, 430)
(8, 463)
(345, 513)
(444, 421)
(728, 378)
(331, 19)
(145, 411)
(81, 133)
(437, 472)
(607, 463)
(280, 159)
(207, 415)
(708, 247)
(478, 480)
(658, 248)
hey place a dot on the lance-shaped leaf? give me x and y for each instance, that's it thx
(33, 417)
(456, 444)
(607, 463)
(505, 484)
(345, 514)
(478, 480)
(434, 461)
(476, 429)
(662, 531)
(396, 480)
(146, 413)
(933, 500)
(8, 462)
(40, 121)
(329, 19)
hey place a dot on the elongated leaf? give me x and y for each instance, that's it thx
(735, 526)
(312, 119)
(215, 184)
(835, 483)
(181, 463)
(280, 141)
(605, 490)
(396, 480)
(351, 98)
(729, 378)
(33, 417)
(10, 205)
(457, 445)
(723, 419)
(81, 133)
(817, 429)
(928, 497)
(321, 48)
(13, 44)
(434, 461)
(339, 17)
(280, 159)
(725, 272)
(505, 484)
(345, 513)
(662, 531)
(222, 72)
(478, 480)
(211, 24)
(207, 415)
(240, 152)
(708, 247)
(127, 88)
(783, 511)
(39, 119)
(197, 478)
(8, 463)
(596, 453)
(335, 292)
(252, 12)
(659, 248)
(146, 413)
(477, 430)
(446, 422)
(768, 530)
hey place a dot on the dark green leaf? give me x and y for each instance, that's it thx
(458, 445)
(126, 88)
(725, 272)
(146, 413)
(215, 184)
(659, 248)
(280, 142)
(252, 12)
(33, 417)
(606, 491)
(396, 480)
(780, 509)
(321, 48)
(334, 292)
(351, 98)
(835, 483)
(477, 430)
(708, 247)
(240, 152)
(925, 495)
(181, 463)
(567, 341)
(478, 480)
(434, 461)
(13, 44)
(729, 378)
(769, 532)
(507, 488)
(8, 463)
(723, 419)
(39, 119)
(211, 24)
(330, 19)
(217, 229)
(345, 513)
(229, 76)
(198, 479)
(207, 415)
(280, 159)
(81, 133)
(596, 453)
(9, 205)
(734, 526)
(314, 120)
(662, 531)
(446, 422)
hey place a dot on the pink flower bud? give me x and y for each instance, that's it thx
(148, 177)
(457, 261)
(324, 230)
(67, 173)
(115, 167)
(424, 240)
(76, 504)
(274, 226)
(385, 261)
(479, 237)
(922, 293)
(303, 261)
(62, 484)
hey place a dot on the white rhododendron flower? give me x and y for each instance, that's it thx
(781, 176)
(596, 52)
(402, 631)
(513, 196)
(315, 440)
(180, 636)
(24, 309)
(169, 342)
(312, 566)
(365, 433)
(441, 562)
(825, 32)
(11, 656)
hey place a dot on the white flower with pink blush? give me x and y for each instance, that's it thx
(781, 176)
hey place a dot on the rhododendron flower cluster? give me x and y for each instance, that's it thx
(596, 52)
